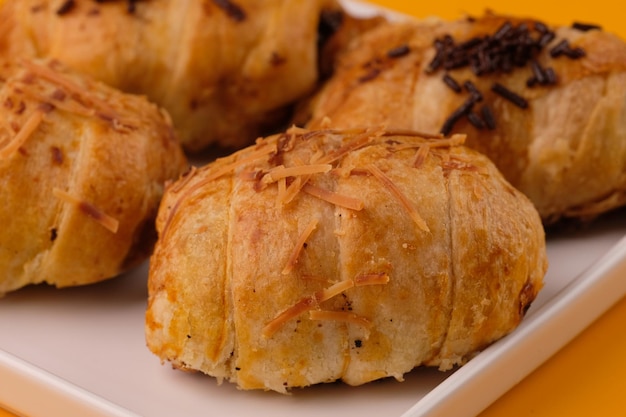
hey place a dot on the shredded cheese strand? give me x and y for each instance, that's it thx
(212, 176)
(59, 104)
(282, 190)
(371, 279)
(233, 166)
(414, 133)
(454, 140)
(305, 304)
(108, 222)
(318, 278)
(29, 127)
(281, 171)
(310, 302)
(295, 254)
(289, 193)
(409, 207)
(296, 130)
(71, 87)
(341, 316)
(421, 155)
(334, 290)
(178, 185)
(334, 198)
(361, 140)
(293, 190)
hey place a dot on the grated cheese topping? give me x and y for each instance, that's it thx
(293, 258)
(334, 290)
(361, 140)
(340, 316)
(334, 198)
(421, 155)
(81, 94)
(183, 181)
(311, 302)
(108, 222)
(29, 127)
(371, 279)
(290, 180)
(231, 167)
(61, 104)
(282, 190)
(281, 171)
(217, 173)
(290, 192)
(305, 304)
(405, 202)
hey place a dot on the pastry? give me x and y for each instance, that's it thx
(82, 171)
(547, 105)
(355, 255)
(224, 70)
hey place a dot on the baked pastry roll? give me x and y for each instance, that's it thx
(547, 105)
(82, 169)
(323, 255)
(225, 71)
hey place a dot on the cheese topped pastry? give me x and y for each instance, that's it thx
(355, 255)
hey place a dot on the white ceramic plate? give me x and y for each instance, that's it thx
(81, 351)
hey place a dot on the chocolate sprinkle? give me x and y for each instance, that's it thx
(538, 72)
(475, 120)
(585, 26)
(564, 48)
(546, 38)
(370, 75)
(132, 6)
(551, 77)
(452, 83)
(69, 5)
(514, 98)
(508, 48)
(456, 115)
(66, 7)
(575, 53)
(232, 10)
(488, 117)
(559, 48)
(473, 90)
(502, 32)
(399, 51)
(57, 155)
(53, 234)
(541, 27)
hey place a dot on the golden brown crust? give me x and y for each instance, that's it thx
(82, 168)
(565, 151)
(224, 73)
(437, 257)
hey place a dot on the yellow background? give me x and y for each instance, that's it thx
(587, 377)
(608, 13)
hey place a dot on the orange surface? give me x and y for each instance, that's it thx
(587, 376)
